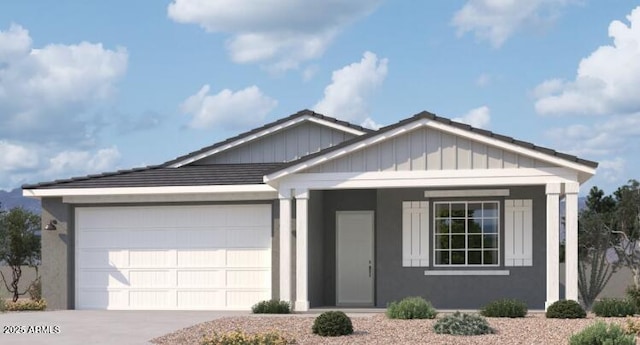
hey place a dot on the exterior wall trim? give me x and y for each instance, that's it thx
(467, 273)
(455, 193)
(241, 188)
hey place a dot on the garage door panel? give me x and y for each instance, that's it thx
(199, 238)
(201, 278)
(102, 258)
(99, 279)
(151, 279)
(249, 258)
(151, 258)
(150, 299)
(255, 237)
(208, 299)
(202, 258)
(248, 278)
(173, 257)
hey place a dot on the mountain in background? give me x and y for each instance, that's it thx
(14, 198)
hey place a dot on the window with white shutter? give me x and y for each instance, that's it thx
(518, 232)
(415, 233)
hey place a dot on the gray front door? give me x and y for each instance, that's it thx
(354, 261)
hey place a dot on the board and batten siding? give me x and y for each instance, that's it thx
(427, 149)
(283, 146)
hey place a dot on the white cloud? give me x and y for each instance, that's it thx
(477, 117)
(51, 87)
(14, 157)
(281, 33)
(351, 88)
(612, 170)
(616, 135)
(371, 124)
(497, 20)
(607, 81)
(74, 163)
(228, 109)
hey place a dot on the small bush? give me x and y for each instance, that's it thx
(462, 324)
(26, 305)
(565, 309)
(632, 326)
(505, 308)
(613, 307)
(273, 306)
(633, 294)
(411, 308)
(241, 338)
(332, 324)
(600, 334)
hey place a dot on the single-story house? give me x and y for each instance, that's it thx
(319, 212)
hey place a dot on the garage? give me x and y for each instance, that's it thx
(207, 257)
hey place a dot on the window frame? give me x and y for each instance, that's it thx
(466, 233)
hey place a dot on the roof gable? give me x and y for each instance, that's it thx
(428, 142)
(237, 148)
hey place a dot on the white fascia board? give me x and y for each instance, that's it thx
(106, 199)
(265, 132)
(335, 125)
(149, 190)
(436, 125)
(430, 178)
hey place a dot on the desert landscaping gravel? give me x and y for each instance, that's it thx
(377, 329)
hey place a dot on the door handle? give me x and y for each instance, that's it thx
(369, 269)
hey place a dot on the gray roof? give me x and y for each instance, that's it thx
(253, 173)
(160, 176)
(430, 116)
(305, 112)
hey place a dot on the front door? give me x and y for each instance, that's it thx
(354, 258)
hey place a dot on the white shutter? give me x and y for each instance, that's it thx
(415, 233)
(518, 232)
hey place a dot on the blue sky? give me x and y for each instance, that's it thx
(88, 87)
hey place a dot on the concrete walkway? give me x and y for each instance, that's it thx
(98, 327)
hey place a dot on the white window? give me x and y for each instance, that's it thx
(466, 233)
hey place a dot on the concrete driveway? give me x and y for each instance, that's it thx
(98, 327)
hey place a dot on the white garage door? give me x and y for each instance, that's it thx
(173, 257)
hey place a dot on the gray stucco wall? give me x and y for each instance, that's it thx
(28, 276)
(452, 292)
(58, 255)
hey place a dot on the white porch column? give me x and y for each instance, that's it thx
(285, 246)
(553, 242)
(571, 232)
(302, 299)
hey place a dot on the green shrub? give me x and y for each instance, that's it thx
(25, 305)
(462, 324)
(241, 338)
(273, 306)
(332, 324)
(411, 308)
(600, 334)
(633, 294)
(565, 309)
(613, 307)
(505, 308)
